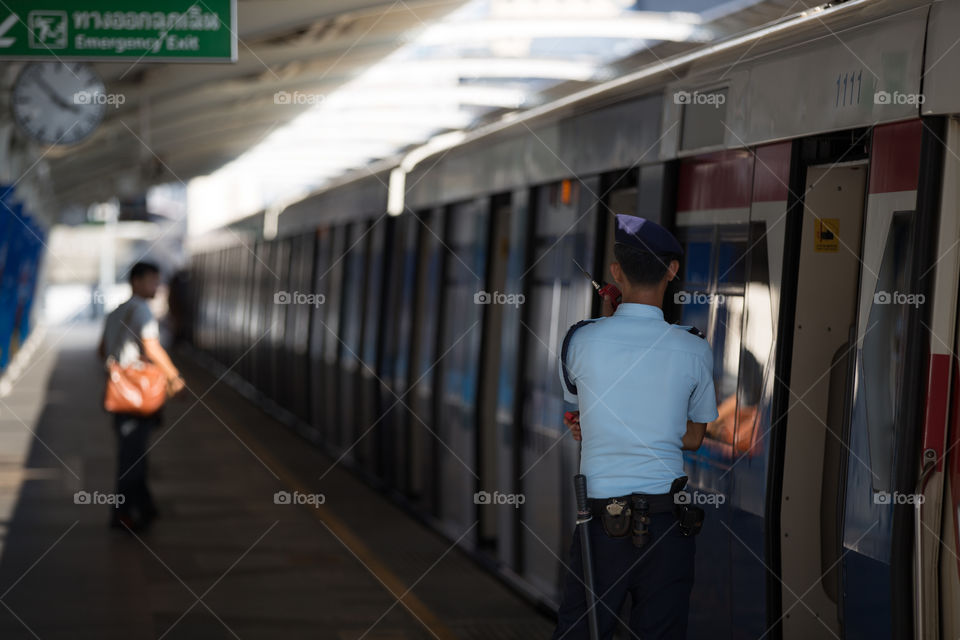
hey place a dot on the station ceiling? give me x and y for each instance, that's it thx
(183, 120)
(179, 121)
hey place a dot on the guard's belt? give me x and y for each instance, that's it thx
(658, 503)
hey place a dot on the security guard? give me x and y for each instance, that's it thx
(645, 392)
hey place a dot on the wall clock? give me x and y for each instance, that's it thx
(58, 103)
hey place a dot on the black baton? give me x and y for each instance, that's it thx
(583, 517)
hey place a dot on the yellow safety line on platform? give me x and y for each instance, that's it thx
(397, 588)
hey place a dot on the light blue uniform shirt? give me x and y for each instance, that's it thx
(638, 380)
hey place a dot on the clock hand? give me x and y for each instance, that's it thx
(53, 95)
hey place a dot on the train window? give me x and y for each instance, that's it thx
(880, 372)
(756, 355)
(620, 195)
(621, 192)
(696, 314)
(730, 262)
(697, 267)
(711, 298)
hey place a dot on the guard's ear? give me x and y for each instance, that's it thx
(616, 272)
(672, 269)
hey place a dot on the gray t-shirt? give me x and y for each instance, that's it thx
(126, 328)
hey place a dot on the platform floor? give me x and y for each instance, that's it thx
(224, 560)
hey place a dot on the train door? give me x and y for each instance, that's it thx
(266, 283)
(296, 333)
(241, 290)
(334, 429)
(504, 418)
(940, 524)
(564, 230)
(879, 445)
(423, 481)
(464, 299)
(350, 341)
(395, 360)
(277, 378)
(286, 396)
(369, 425)
(490, 353)
(730, 219)
(319, 319)
(224, 304)
(246, 290)
(826, 305)
(301, 346)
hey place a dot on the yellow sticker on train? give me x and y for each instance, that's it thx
(827, 238)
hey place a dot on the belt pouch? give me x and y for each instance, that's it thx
(615, 516)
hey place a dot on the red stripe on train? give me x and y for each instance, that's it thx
(772, 174)
(895, 157)
(720, 180)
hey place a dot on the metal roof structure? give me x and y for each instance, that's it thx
(454, 64)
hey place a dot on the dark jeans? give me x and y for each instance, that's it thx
(133, 436)
(658, 578)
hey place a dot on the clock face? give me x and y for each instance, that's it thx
(59, 103)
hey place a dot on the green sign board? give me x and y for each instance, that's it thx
(148, 30)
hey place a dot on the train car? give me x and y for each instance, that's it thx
(810, 170)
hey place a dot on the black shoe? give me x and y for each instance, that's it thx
(150, 513)
(126, 522)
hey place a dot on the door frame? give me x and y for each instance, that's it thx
(842, 146)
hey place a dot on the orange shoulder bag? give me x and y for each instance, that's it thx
(140, 389)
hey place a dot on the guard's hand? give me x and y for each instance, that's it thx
(571, 419)
(175, 386)
(610, 295)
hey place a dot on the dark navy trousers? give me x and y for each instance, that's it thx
(658, 578)
(133, 436)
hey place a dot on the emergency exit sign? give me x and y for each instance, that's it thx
(168, 30)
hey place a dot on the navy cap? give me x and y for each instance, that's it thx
(645, 235)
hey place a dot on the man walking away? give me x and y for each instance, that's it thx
(131, 334)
